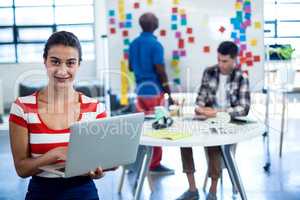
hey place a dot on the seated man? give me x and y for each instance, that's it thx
(224, 88)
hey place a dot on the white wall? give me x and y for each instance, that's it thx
(12, 74)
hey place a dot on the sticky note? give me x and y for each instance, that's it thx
(241, 53)
(256, 58)
(125, 33)
(239, 16)
(242, 29)
(222, 29)
(180, 43)
(191, 39)
(247, 22)
(253, 42)
(233, 35)
(249, 54)
(128, 16)
(176, 1)
(206, 49)
(149, 2)
(182, 53)
(183, 22)
(247, 9)
(237, 41)
(248, 16)
(181, 11)
(243, 60)
(111, 13)
(162, 32)
(112, 30)
(175, 53)
(122, 17)
(189, 30)
(176, 81)
(174, 10)
(125, 56)
(174, 63)
(126, 41)
(128, 24)
(243, 47)
(238, 5)
(112, 21)
(177, 34)
(249, 63)
(257, 25)
(136, 5)
(121, 24)
(174, 17)
(242, 38)
(174, 26)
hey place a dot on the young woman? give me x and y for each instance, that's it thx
(39, 124)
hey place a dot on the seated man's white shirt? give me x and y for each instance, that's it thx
(221, 92)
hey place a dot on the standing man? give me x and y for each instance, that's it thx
(224, 88)
(146, 60)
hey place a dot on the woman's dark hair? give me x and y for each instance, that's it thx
(148, 22)
(228, 48)
(63, 38)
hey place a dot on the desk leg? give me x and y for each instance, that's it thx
(284, 96)
(232, 170)
(147, 155)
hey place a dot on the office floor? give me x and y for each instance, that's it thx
(283, 181)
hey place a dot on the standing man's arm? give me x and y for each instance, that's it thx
(244, 101)
(158, 60)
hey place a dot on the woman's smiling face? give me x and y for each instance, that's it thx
(62, 63)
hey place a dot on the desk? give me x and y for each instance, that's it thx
(201, 136)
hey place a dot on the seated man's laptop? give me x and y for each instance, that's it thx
(104, 143)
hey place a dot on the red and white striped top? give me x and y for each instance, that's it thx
(24, 112)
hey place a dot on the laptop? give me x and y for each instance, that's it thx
(107, 142)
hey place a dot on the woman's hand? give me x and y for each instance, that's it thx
(58, 153)
(98, 173)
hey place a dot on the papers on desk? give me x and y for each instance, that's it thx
(167, 134)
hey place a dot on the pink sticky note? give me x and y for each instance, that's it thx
(243, 47)
(177, 34)
(112, 21)
(182, 53)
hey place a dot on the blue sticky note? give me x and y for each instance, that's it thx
(111, 13)
(176, 81)
(128, 24)
(174, 26)
(183, 22)
(243, 38)
(125, 50)
(239, 16)
(242, 30)
(234, 35)
(174, 17)
(237, 25)
(129, 16)
(248, 16)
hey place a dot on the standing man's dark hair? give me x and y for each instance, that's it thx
(228, 48)
(148, 22)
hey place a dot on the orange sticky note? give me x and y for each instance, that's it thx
(253, 42)
(206, 49)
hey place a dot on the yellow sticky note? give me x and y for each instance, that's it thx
(253, 42)
(238, 6)
(167, 134)
(122, 17)
(124, 100)
(257, 25)
(176, 1)
(181, 11)
(149, 2)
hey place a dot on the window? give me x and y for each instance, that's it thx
(23, 34)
